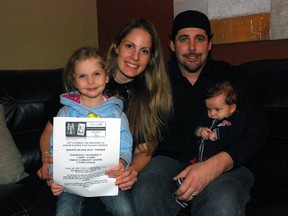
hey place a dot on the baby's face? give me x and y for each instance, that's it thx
(217, 108)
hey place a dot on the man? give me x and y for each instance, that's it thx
(219, 185)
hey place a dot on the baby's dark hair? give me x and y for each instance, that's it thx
(223, 88)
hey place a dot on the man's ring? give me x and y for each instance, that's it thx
(192, 197)
(135, 179)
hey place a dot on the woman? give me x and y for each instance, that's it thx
(137, 72)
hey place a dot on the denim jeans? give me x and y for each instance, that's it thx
(121, 205)
(69, 204)
(73, 205)
(227, 195)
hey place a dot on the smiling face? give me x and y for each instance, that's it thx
(217, 107)
(133, 55)
(191, 47)
(90, 79)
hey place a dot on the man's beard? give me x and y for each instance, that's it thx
(191, 69)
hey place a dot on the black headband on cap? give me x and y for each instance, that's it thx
(191, 19)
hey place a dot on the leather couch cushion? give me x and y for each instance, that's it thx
(23, 95)
(270, 79)
(11, 166)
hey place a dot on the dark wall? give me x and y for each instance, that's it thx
(114, 14)
(238, 53)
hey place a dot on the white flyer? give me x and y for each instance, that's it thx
(83, 148)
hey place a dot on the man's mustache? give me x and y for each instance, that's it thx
(187, 55)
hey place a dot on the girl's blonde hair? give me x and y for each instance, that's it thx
(81, 54)
(150, 102)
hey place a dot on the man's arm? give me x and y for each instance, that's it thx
(199, 175)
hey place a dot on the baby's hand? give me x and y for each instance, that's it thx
(204, 132)
(116, 171)
(56, 189)
(212, 136)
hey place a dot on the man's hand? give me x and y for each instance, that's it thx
(199, 175)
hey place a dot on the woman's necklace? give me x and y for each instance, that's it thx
(126, 86)
(128, 90)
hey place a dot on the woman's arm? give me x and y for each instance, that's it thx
(43, 172)
(45, 138)
(140, 159)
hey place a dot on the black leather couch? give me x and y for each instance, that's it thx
(24, 93)
(269, 195)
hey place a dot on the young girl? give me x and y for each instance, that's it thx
(84, 80)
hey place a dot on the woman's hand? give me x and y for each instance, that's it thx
(56, 189)
(116, 171)
(43, 172)
(126, 180)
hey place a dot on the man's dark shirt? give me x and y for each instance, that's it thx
(190, 110)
